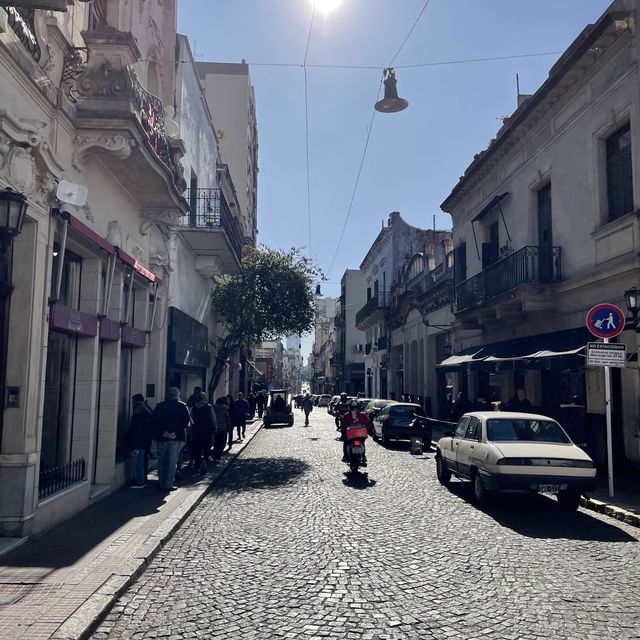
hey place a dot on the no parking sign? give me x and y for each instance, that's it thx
(605, 320)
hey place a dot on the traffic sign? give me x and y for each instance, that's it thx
(605, 320)
(606, 354)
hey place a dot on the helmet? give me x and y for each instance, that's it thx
(343, 396)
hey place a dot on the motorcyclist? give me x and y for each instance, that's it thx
(342, 407)
(353, 417)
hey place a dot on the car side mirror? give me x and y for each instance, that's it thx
(448, 433)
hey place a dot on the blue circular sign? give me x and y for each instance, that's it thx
(605, 320)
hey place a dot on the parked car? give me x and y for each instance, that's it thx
(324, 399)
(375, 405)
(515, 452)
(278, 409)
(332, 403)
(397, 421)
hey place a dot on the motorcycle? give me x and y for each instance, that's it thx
(355, 436)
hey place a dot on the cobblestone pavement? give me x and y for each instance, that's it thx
(287, 546)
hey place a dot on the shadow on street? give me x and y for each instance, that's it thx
(357, 480)
(539, 516)
(252, 474)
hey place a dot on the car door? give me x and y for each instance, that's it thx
(466, 447)
(452, 443)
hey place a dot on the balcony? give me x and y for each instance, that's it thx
(527, 266)
(212, 232)
(372, 310)
(124, 124)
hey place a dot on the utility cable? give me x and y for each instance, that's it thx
(413, 26)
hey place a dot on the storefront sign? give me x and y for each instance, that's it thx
(109, 330)
(132, 337)
(606, 354)
(70, 320)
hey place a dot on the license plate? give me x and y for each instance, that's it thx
(357, 449)
(551, 488)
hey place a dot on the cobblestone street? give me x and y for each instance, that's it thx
(288, 546)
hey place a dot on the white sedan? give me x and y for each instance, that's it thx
(515, 452)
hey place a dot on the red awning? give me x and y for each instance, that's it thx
(88, 233)
(132, 262)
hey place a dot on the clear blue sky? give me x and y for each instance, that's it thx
(414, 157)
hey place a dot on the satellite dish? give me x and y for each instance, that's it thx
(72, 193)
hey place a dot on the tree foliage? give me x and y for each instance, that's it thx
(272, 296)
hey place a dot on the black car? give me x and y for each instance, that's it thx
(401, 421)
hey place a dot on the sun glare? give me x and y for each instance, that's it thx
(326, 5)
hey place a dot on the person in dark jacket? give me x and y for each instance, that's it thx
(238, 412)
(307, 407)
(519, 403)
(204, 429)
(224, 428)
(139, 440)
(261, 402)
(170, 420)
(251, 399)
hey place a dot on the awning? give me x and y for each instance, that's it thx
(86, 232)
(493, 203)
(132, 262)
(546, 345)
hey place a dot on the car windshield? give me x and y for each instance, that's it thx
(406, 410)
(525, 430)
(380, 403)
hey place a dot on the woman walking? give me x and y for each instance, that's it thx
(204, 429)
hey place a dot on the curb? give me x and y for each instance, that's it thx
(623, 515)
(90, 614)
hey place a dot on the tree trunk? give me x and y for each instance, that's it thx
(230, 344)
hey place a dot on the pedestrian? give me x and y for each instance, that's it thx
(224, 428)
(169, 422)
(238, 412)
(519, 402)
(260, 402)
(204, 430)
(193, 397)
(251, 399)
(463, 405)
(139, 440)
(307, 407)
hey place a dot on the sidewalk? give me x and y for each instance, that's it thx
(60, 583)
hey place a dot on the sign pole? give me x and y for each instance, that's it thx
(607, 401)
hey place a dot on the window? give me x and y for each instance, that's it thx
(460, 263)
(461, 428)
(70, 281)
(97, 14)
(619, 174)
(124, 403)
(526, 430)
(472, 429)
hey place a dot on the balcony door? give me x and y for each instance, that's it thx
(545, 236)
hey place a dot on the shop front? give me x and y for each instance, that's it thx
(188, 356)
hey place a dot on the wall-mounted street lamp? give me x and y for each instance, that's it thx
(632, 300)
(13, 209)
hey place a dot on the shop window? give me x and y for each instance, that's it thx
(69, 295)
(619, 173)
(460, 263)
(59, 392)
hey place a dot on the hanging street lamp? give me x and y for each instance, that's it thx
(391, 103)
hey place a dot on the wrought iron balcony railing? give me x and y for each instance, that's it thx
(210, 210)
(379, 301)
(150, 112)
(56, 479)
(529, 265)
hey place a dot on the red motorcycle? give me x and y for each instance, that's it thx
(355, 454)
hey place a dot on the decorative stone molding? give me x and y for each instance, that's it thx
(161, 218)
(209, 266)
(118, 146)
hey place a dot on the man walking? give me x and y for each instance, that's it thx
(260, 401)
(170, 420)
(307, 407)
(239, 410)
(139, 440)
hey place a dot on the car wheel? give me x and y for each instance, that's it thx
(569, 500)
(384, 439)
(444, 475)
(480, 493)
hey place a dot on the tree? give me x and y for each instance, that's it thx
(272, 296)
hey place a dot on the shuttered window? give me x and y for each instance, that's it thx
(619, 173)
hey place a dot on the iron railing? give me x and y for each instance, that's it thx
(210, 210)
(150, 112)
(56, 479)
(379, 301)
(529, 265)
(22, 22)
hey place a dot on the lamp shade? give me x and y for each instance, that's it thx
(632, 299)
(13, 207)
(391, 103)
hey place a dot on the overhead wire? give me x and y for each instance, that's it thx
(368, 138)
